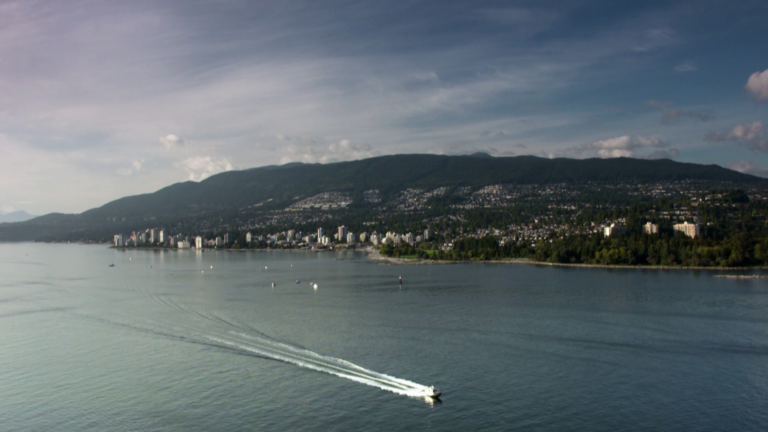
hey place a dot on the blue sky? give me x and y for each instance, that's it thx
(99, 100)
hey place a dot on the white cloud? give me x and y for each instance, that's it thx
(747, 167)
(313, 150)
(624, 146)
(135, 166)
(7, 209)
(621, 146)
(752, 135)
(171, 141)
(201, 167)
(757, 85)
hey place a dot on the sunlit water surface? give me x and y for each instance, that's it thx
(183, 340)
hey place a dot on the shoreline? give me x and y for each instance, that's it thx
(374, 255)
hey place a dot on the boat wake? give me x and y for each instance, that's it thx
(321, 363)
(202, 328)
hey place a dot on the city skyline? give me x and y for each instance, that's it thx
(102, 101)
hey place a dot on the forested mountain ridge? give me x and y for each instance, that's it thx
(276, 187)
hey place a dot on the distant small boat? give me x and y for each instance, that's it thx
(400, 280)
(273, 284)
(298, 281)
(112, 265)
(315, 286)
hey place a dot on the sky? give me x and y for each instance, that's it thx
(104, 99)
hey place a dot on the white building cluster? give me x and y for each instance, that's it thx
(289, 238)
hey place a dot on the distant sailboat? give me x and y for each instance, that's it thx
(400, 280)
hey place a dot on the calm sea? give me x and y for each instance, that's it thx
(183, 340)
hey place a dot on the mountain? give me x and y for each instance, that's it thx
(17, 216)
(275, 187)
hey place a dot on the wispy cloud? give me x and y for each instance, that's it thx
(670, 115)
(747, 167)
(686, 66)
(751, 135)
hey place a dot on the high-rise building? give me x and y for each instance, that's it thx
(363, 236)
(350, 238)
(152, 235)
(319, 233)
(119, 240)
(227, 238)
(614, 230)
(343, 231)
(218, 241)
(690, 230)
(650, 228)
(290, 235)
(198, 242)
(428, 234)
(248, 237)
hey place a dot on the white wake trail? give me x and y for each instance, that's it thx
(331, 365)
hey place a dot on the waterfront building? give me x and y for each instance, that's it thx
(227, 238)
(343, 231)
(119, 240)
(152, 236)
(690, 230)
(290, 235)
(319, 233)
(350, 238)
(428, 234)
(363, 237)
(218, 241)
(162, 236)
(198, 242)
(248, 237)
(375, 239)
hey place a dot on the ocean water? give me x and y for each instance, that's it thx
(183, 340)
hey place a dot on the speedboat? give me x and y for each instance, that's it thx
(432, 392)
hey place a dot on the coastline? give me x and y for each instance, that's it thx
(374, 255)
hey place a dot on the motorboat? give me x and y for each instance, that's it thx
(112, 265)
(432, 392)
